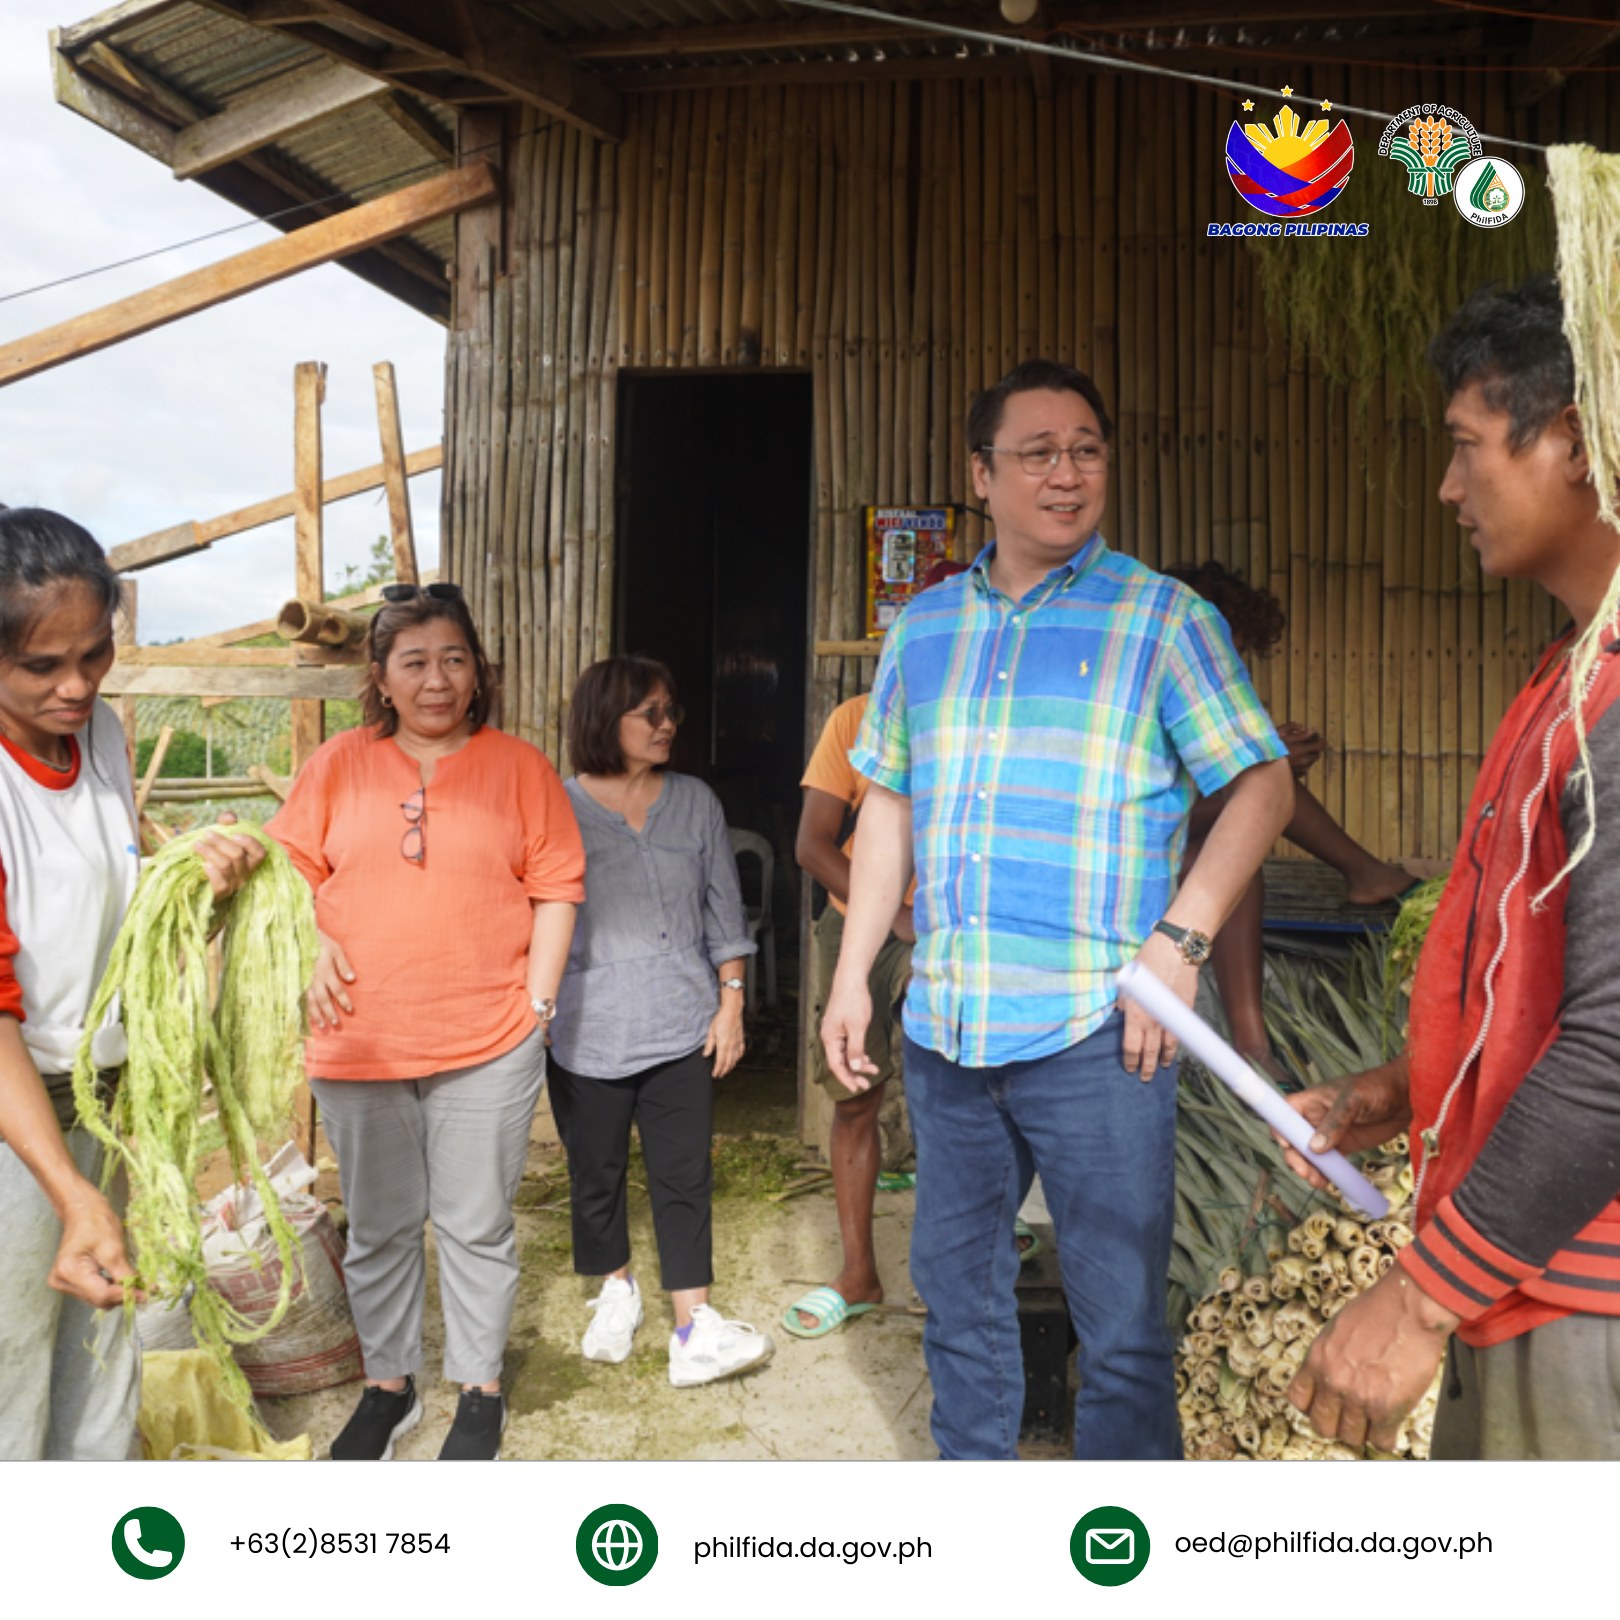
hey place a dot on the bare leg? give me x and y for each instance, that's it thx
(1370, 880)
(854, 1151)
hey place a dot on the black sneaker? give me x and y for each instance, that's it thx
(382, 1416)
(475, 1436)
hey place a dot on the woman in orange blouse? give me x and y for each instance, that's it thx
(446, 866)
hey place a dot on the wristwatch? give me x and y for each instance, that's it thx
(545, 1008)
(733, 984)
(1194, 946)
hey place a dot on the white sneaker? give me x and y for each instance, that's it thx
(615, 1316)
(715, 1348)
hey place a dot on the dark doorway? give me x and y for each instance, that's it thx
(714, 487)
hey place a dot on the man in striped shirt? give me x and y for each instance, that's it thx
(1037, 731)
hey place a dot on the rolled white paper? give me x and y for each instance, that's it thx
(1163, 1005)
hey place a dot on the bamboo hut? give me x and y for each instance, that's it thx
(748, 264)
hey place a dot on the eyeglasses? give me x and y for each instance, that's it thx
(413, 846)
(443, 592)
(655, 714)
(1087, 457)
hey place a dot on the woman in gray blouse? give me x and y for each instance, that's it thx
(649, 1015)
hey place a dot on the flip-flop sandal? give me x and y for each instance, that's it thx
(1389, 906)
(897, 1180)
(1021, 1230)
(830, 1309)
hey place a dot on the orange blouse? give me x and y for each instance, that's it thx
(439, 949)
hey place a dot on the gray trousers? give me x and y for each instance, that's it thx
(70, 1376)
(1553, 1392)
(449, 1149)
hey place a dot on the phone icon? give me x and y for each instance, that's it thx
(161, 1559)
(148, 1543)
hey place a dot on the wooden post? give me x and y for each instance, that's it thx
(309, 390)
(394, 476)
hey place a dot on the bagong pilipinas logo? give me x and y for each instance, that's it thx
(1431, 143)
(1286, 171)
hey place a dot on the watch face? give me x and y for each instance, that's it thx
(1195, 947)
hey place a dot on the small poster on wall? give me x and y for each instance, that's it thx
(902, 544)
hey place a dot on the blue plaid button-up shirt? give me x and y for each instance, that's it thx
(1051, 749)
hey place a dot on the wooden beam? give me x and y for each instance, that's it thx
(894, 69)
(309, 568)
(807, 32)
(309, 682)
(474, 38)
(405, 111)
(395, 479)
(90, 100)
(189, 654)
(271, 114)
(184, 538)
(144, 110)
(124, 632)
(302, 249)
(1106, 14)
(75, 36)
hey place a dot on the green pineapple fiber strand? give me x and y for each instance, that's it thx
(247, 1048)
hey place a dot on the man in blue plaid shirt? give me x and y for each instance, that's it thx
(1037, 732)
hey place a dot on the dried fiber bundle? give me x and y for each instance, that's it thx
(1586, 203)
(245, 1050)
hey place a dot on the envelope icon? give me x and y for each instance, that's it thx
(1110, 1546)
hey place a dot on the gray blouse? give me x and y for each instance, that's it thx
(663, 909)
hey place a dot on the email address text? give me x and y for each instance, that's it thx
(1259, 1544)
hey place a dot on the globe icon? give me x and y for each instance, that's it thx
(617, 1544)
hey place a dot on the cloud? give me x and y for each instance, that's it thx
(195, 419)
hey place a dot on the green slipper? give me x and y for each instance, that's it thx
(1021, 1230)
(830, 1309)
(897, 1181)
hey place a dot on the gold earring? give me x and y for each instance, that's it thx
(387, 702)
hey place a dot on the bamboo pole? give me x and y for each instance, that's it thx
(160, 751)
(711, 254)
(676, 251)
(977, 372)
(751, 312)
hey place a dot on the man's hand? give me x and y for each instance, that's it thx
(91, 1263)
(724, 1042)
(1304, 745)
(327, 992)
(1360, 1111)
(1148, 1046)
(1372, 1363)
(843, 1035)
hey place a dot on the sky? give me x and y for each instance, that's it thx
(194, 419)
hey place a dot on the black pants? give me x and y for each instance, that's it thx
(673, 1107)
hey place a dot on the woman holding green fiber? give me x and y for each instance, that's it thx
(446, 866)
(68, 859)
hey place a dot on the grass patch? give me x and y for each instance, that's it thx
(753, 1166)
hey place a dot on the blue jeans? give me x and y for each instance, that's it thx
(1104, 1145)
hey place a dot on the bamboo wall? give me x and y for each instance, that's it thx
(907, 243)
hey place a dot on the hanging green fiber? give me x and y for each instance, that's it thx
(245, 1050)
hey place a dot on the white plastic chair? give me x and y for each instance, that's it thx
(752, 844)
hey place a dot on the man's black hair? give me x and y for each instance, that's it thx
(1511, 342)
(984, 419)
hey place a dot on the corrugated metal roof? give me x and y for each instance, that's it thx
(198, 61)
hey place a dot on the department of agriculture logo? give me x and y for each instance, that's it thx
(1489, 191)
(1109, 1546)
(616, 1544)
(148, 1543)
(1289, 171)
(1431, 143)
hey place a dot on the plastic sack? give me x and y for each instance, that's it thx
(315, 1345)
(187, 1415)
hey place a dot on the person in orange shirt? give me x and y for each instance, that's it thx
(868, 1130)
(446, 865)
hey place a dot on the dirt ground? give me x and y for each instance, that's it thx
(861, 1392)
